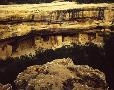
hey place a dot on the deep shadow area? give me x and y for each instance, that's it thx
(109, 60)
(90, 54)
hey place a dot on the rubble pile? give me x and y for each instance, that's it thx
(5, 87)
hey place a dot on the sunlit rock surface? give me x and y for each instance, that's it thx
(25, 28)
(61, 74)
(19, 20)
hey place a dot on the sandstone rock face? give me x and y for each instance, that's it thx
(23, 28)
(61, 74)
(19, 20)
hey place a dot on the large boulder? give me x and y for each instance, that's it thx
(61, 74)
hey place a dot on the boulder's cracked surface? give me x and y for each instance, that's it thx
(61, 74)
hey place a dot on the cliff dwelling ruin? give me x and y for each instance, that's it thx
(70, 33)
(41, 26)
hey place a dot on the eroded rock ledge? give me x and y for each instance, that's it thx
(26, 28)
(61, 74)
(19, 20)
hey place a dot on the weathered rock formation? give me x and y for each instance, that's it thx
(61, 74)
(18, 20)
(25, 28)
